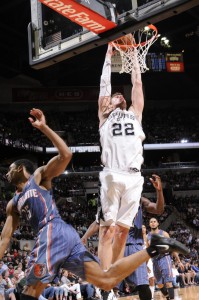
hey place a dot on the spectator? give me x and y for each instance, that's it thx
(175, 276)
(182, 275)
(69, 285)
(10, 286)
(21, 273)
(189, 273)
(3, 285)
(195, 267)
(3, 267)
(87, 289)
(48, 292)
(11, 270)
(26, 247)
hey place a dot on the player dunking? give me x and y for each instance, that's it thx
(58, 245)
(121, 138)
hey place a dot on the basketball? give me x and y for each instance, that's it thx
(126, 39)
(124, 42)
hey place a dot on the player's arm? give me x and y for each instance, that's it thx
(177, 260)
(147, 241)
(174, 254)
(12, 221)
(137, 96)
(58, 163)
(105, 86)
(158, 207)
(92, 229)
(145, 238)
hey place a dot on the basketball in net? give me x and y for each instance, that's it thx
(134, 47)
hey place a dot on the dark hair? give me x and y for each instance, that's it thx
(4, 273)
(154, 218)
(27, 164)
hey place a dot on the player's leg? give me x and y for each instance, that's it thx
(159, 278)
(125, 266)
(105, 252)
(170, 289)
(37, 267)
(164, 288)
(151, 277)
(140, 276)
(116, 273)
(108, 203)
(119, 242)
(43, 265)
(130, 199)
(144, 292)
(166, 270)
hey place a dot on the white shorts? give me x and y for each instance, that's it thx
(120, 195)
(150, 267)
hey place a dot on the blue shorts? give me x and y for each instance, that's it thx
(58, 245)
(162, 268)
(140, 275)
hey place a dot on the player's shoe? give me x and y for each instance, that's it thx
(112, 295)
(105, 294)
(108, 295)
(162, 245)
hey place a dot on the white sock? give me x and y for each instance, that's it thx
(152, 288)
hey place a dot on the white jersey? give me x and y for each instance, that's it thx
(121, 138)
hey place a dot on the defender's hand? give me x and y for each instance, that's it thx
(38, 119)
(156, 181)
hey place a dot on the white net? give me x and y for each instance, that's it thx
(140, 40)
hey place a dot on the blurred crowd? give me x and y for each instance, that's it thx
(161, 126)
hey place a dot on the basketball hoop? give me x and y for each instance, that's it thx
(134, 47)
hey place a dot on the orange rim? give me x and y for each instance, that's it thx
(151, 26)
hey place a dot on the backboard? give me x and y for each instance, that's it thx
(55, 36)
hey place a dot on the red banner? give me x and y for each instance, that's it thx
(80, 14)
(175, 66)
(68, 94)
(174, 62)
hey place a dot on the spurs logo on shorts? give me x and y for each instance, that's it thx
(39, 270)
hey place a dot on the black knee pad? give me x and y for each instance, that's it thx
(144, 292)
(164, 291)
(27, 297)
(171, 292)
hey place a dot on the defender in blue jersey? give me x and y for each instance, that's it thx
(57, 244)
(162, 266)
